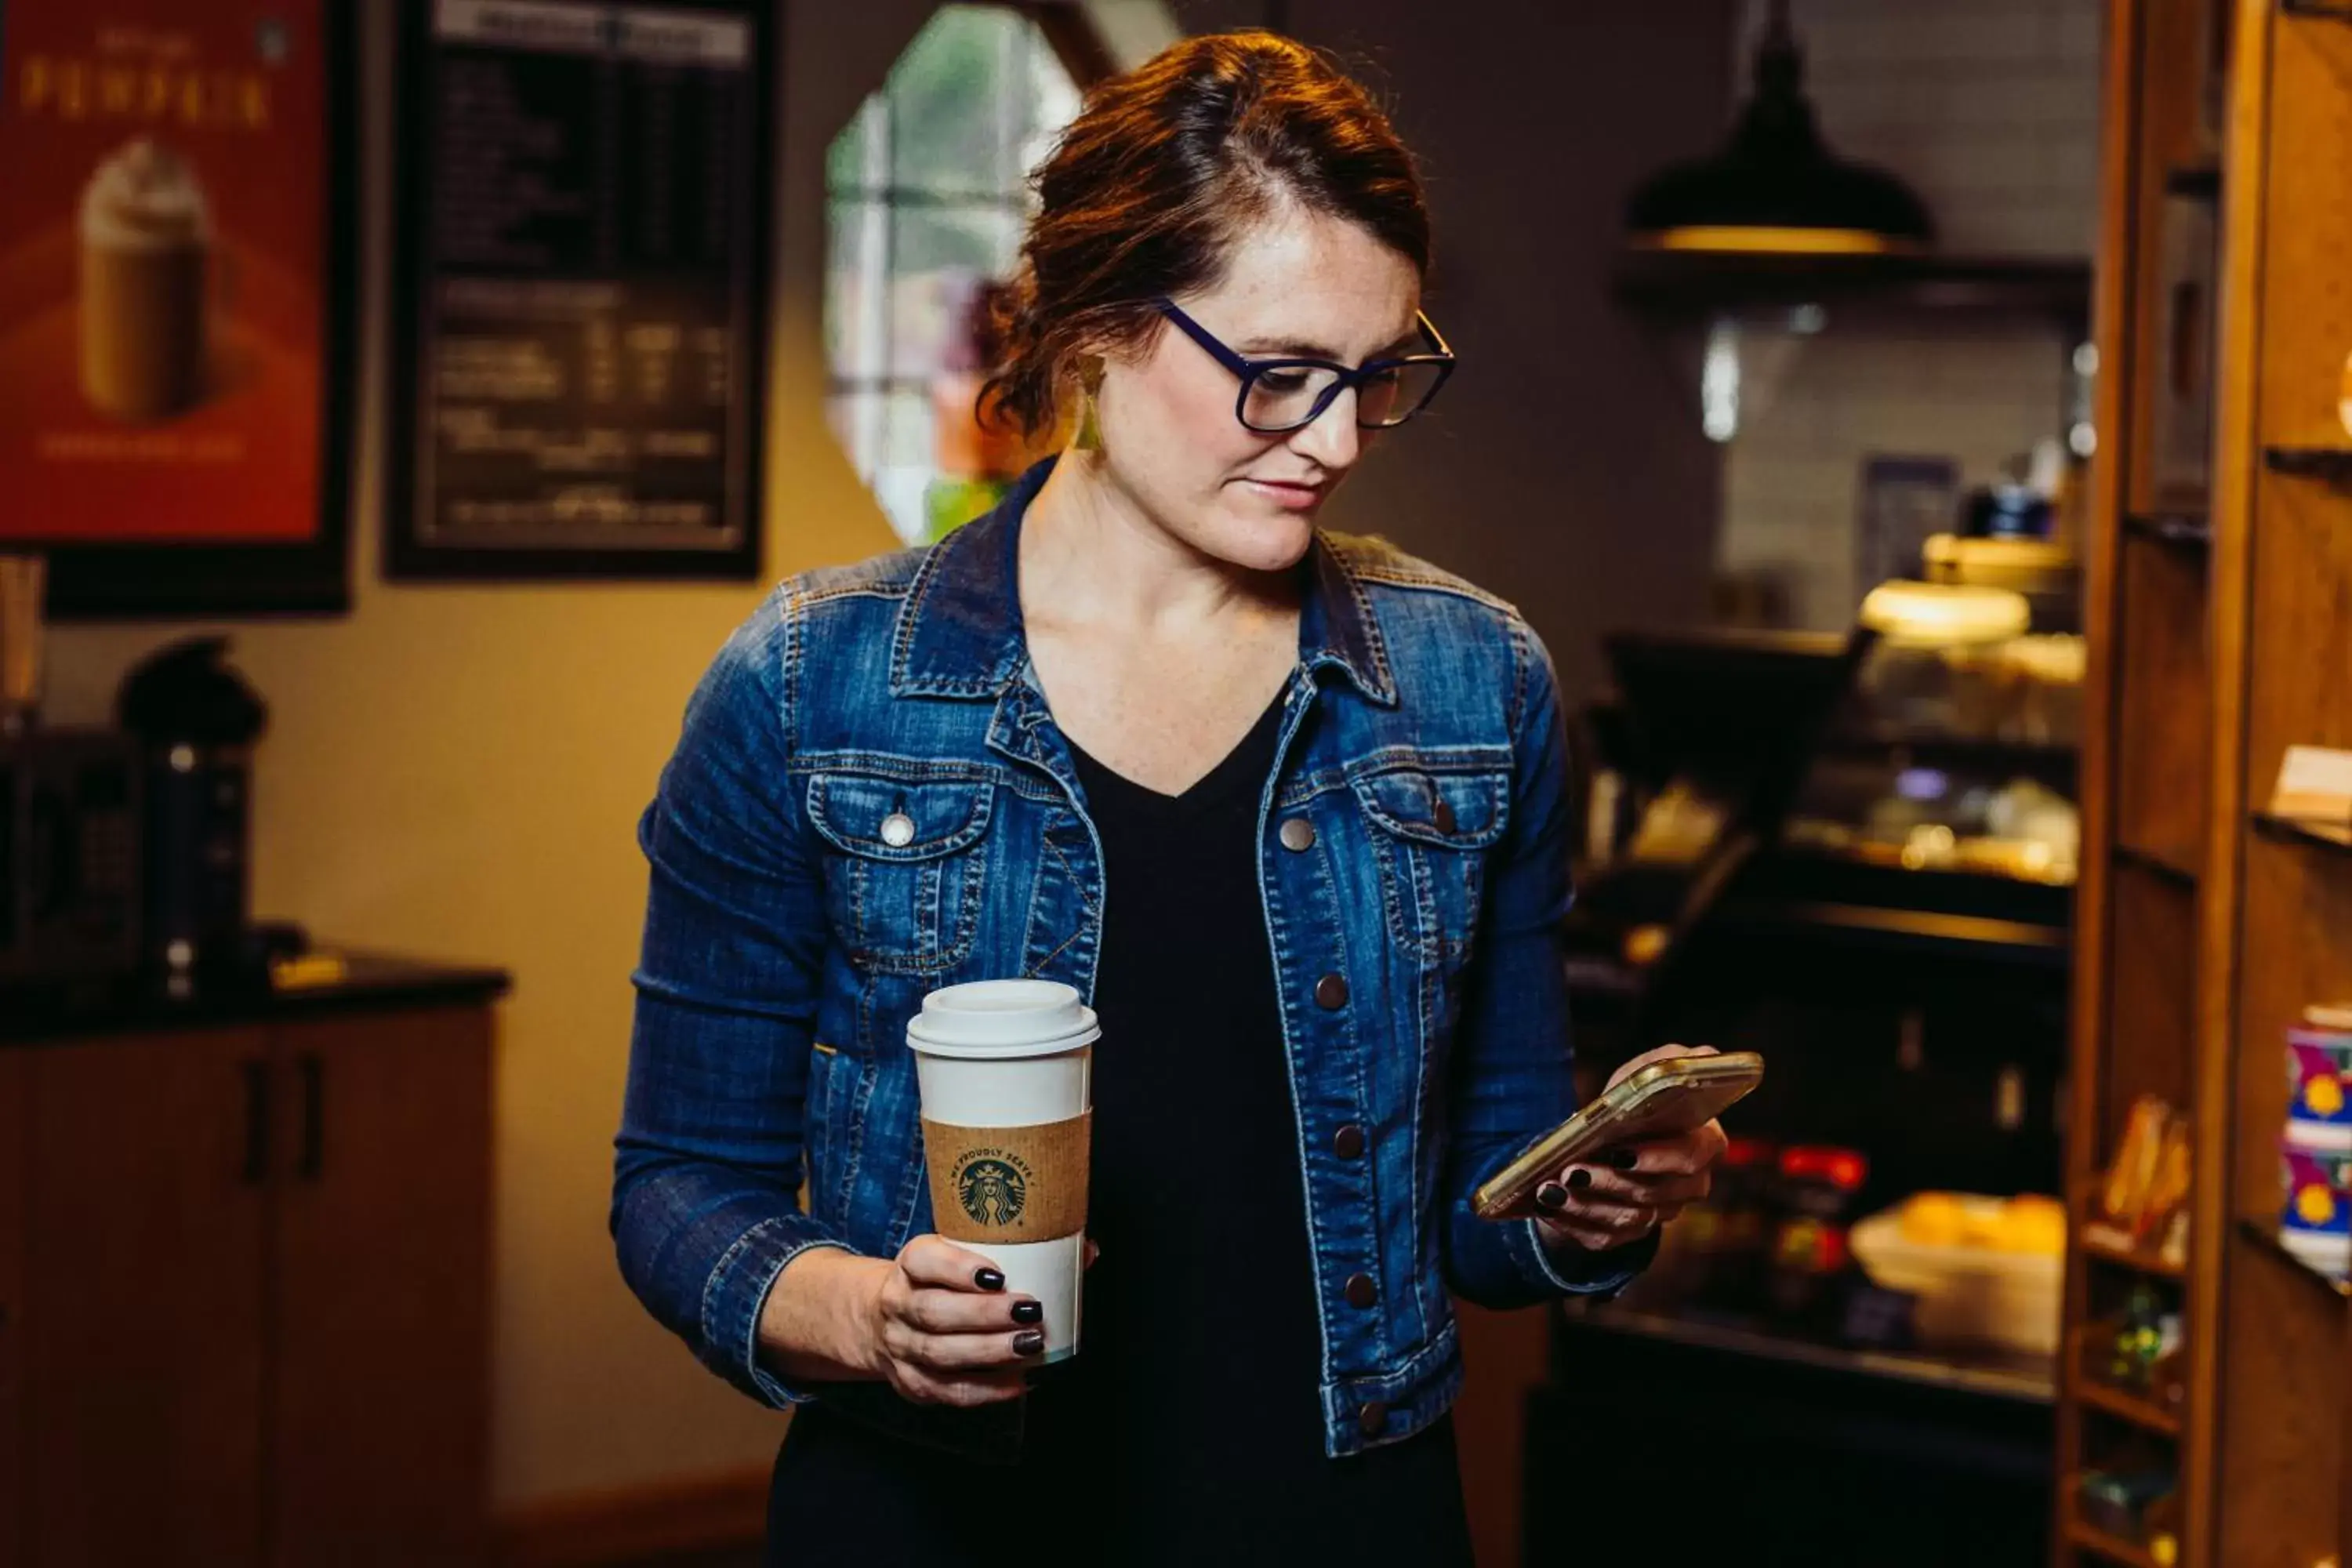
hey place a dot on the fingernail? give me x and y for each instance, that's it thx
(1624, 1159)
(1029, 1342)
(989, 1279)
(1580, 1179)
(1551, 1195)
(1028, 1311)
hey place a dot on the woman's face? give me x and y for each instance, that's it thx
(1299, 284)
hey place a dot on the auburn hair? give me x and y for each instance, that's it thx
(1145, 193)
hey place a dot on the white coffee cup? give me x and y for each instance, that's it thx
(1004, 1069)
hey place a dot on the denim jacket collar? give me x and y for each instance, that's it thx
(959, 633)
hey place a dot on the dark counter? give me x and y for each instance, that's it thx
(1665, 1441)
(139, 1005)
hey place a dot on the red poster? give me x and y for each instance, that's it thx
(163, 264)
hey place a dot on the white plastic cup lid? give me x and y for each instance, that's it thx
(1002, 1018)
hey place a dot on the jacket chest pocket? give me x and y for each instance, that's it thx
(903, 887)
(1432, 832)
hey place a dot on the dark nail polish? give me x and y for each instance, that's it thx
(1028, 1311)
(989, 1279)
(1551, 1195)
(1580, 1179)
(1029, 1342)
(1624, 1159)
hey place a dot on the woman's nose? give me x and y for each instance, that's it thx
(1331, 437)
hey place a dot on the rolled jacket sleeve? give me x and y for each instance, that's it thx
(1510, 1074)
(709, 1163)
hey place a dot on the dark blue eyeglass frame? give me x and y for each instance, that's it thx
(1344, 376)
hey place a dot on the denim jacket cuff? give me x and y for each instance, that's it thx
(1577, 1272)
(738, 1291)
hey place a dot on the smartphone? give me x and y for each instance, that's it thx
(1660, 1100)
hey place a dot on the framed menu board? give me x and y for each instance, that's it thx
(176, 301)
(578, 299)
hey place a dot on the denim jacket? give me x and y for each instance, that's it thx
(1413, 920)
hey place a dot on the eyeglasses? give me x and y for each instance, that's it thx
(1278, 395)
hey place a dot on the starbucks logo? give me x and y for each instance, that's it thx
(992, 1192)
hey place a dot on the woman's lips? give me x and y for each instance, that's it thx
(1297, 496)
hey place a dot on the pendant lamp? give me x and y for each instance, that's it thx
(1776, 188)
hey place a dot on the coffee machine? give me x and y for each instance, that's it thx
(194, 720)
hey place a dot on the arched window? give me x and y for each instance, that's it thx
(926, 195)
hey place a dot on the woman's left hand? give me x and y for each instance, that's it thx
(1633, 1190)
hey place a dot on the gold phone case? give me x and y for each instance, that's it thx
(1664, 1099)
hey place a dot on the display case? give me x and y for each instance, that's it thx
(1912, 1010)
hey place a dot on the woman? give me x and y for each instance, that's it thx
(1289, 806)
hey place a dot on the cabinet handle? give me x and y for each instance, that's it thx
(257, 1122)
(314, 1115)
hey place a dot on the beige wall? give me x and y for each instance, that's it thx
(456, 772)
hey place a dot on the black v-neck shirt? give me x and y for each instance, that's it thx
(1189, 1427)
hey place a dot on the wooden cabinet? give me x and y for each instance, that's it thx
(383, 1292)
(13, 1164)
(144, 1299)
(244, 1287)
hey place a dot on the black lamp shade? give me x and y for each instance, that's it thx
(1776, 187)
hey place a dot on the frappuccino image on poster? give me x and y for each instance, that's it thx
(146, 279)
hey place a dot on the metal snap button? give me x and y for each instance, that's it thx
(897, 830)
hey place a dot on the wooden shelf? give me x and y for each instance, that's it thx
(2101, 1544)
(2331, 464)
(2139, 1259)
(1694, 283)
(2154, 864)
(2126, 1407)
(2265, 1234)
(2198, 179)
(2327, 10)
(2314, 835)
(2182, 530)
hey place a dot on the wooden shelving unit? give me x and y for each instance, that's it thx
(2126, 1406)
(2218, 637)
(2200, 179)
(2163, 865)
(2131, 1260)
(2186, 531)
(2330, 464)
(2312, 835)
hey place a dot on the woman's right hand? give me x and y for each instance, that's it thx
(935, 1323)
